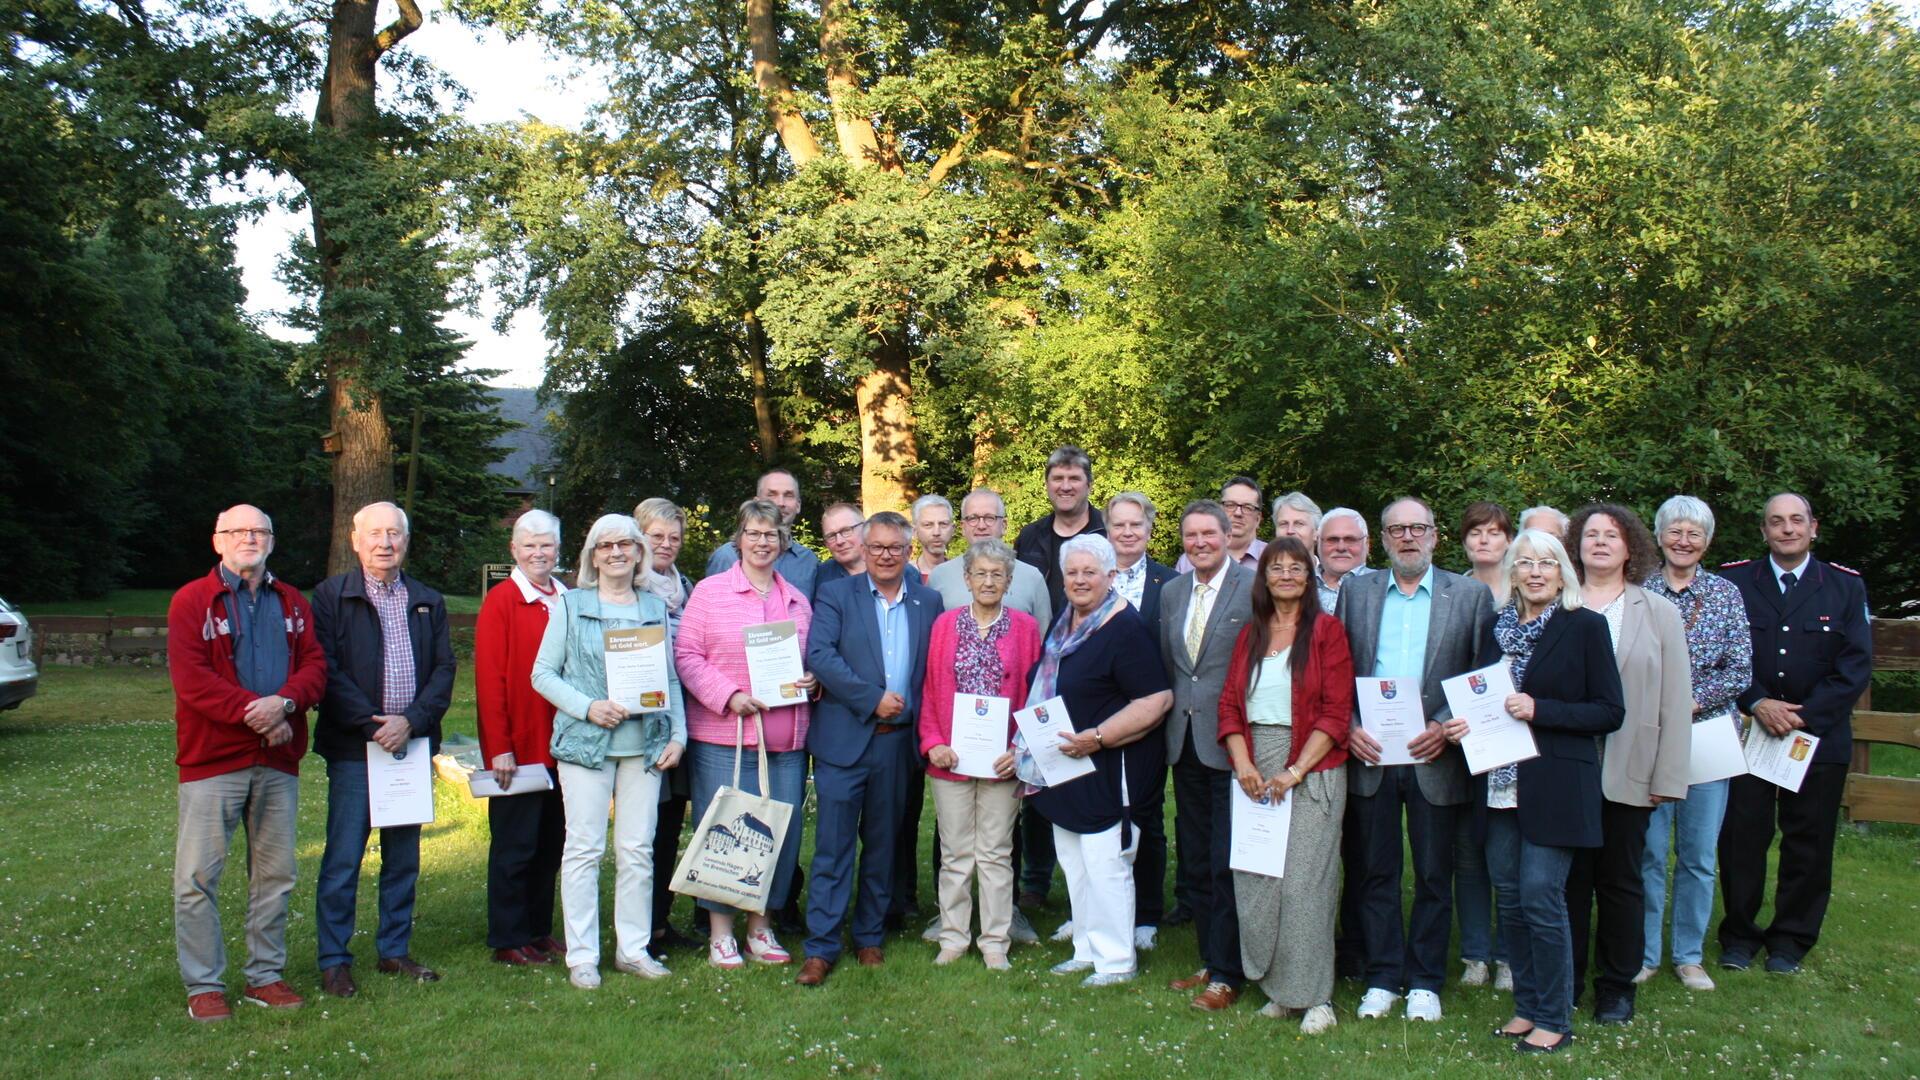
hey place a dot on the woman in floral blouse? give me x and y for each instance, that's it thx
(1720, 648)
(983, 650)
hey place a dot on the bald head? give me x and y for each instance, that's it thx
(243, 538)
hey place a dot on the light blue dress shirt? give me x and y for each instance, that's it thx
(1402, 649)
(896, 642)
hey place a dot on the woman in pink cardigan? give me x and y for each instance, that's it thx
(982, 650)
(711, 657)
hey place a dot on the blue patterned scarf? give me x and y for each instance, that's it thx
(1062, 642)
(1517, 640)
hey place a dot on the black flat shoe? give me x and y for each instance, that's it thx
(1501, 1032)
(1616, 1011)
(1525, 1047)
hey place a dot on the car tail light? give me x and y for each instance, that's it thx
(7, 630)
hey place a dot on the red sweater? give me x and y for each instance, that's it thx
(1322, 701)
(1019, 651)
(209, 702)
(513, 718)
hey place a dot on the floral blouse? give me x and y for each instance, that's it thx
(976, 661)
(1719, 641)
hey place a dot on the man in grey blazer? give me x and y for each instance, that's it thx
(1201, 613)
(1420, 624)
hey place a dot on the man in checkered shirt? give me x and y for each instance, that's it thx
(389, 681)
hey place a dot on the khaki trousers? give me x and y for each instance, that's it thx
(976, 836)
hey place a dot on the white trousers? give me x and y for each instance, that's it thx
(1100, 889)
(633, 790)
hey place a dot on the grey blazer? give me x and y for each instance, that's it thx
(1650, 754)
(1197, 684)
(1459, 639)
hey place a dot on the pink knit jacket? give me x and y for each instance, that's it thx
(712, 659)
(1019, 650)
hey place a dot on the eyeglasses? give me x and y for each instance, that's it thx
(608, 547)
(1527, 566)
(1241, 508)
(842, 534)
(988, 577)
(245, 534)
(1416, 530)
(1688, 535)
(1283, 569)
(886, 549)
(983, 519)
(759, 536)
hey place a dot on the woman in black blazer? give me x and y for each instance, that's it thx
(1540, 810)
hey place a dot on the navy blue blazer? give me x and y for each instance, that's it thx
(1577, 698)
(843, 652)
(349, 633)
(1813, 648)
(1158, 574)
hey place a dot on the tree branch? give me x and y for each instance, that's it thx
(764, 45)
(406, 23)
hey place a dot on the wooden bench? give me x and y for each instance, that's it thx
(1896, 647)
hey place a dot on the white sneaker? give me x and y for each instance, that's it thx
(1694, 977)
(1143, 937)
(1022, 932)
(764, 948)
(1319, 1019)
(1423, 1005)
(1647, 971)
(1071, 967)
(584, 976)
(1111, 978)
(646, 967)
(1065, 933)
(1273, 1010)
(1503, 977)
(1474, 973)
(1376, 1003)
(948, 956)
(932, 932)
(724, 953)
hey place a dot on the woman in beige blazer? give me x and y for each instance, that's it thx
(1644, 763)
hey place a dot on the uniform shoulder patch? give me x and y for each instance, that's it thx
(1736, 562)
(1847, 569)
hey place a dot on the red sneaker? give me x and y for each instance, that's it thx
(273, 995)
(208, 1008)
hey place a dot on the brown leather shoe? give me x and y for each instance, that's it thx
(870, 956)
(814, 971)
(519, 957)
(546, 950)
(1192, 982)
(338, 981)
(407, 965)
(1216, 997)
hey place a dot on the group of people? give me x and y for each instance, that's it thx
(1235, 670)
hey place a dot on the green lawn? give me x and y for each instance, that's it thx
(154, 602)
(88, 984)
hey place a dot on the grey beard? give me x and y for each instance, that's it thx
(1406, 570)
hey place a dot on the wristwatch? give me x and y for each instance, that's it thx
(287, 707)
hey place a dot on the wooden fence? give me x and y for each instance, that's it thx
(1896, 647)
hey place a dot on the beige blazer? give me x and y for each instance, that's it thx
(1650, 754)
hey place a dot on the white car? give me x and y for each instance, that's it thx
(19, 679)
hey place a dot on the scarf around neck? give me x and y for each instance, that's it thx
(1062, 642)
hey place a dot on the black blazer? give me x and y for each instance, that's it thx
(1577, 698)
(349, 631)
(1158, 574)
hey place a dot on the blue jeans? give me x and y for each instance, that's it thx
(1473, 896)
(1695, 824)
(336, 894)
(711, 768)
(1531, 883)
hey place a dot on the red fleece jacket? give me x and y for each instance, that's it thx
(209, 702)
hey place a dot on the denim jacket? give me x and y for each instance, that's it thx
(570, 671)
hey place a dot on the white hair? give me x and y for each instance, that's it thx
(613, 525)
(1544, 509)
(1089, 544)
(222, 515)
(1297, 500)
(406, 527)
(537, 523)
(925, 501)
(1539, 543)
(1147, 511)
(999, 504)
(988, 550)
(1359, 518)
(1684, 508)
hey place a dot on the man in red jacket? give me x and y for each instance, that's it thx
(246, 668)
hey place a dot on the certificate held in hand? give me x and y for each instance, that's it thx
(1260, 828)
(1391, 712)
(637, 668)
(1494, 737)
(1780, 760)
(400, 786)
(1042, 725)
(774, 665)
(979, 734)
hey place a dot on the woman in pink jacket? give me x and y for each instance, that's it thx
(984, 650)
(712, 659)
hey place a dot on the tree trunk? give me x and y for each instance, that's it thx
(858, 144)
(762, 400)
(888, 454)
(764, 42)
(363, 469)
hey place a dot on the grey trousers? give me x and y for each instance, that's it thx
(266, 802)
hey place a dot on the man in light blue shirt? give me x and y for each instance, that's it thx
(797, 563)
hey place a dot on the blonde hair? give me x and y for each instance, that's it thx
(1540, 543)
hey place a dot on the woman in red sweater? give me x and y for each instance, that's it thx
(1284, 715)
(516, 724)
(984, 650)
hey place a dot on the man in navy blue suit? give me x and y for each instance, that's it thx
(868, 647)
